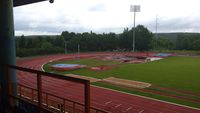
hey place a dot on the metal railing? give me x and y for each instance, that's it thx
(45, 101)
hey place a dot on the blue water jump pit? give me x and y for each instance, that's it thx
(65, 67)
(163, 55)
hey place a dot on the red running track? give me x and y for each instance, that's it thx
(109, 100)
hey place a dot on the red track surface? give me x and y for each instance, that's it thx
(109, 100)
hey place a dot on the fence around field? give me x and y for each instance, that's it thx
(44, 101)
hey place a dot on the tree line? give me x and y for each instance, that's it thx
(90, 41)
(188, 42)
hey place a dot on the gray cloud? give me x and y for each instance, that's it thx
(105, 16)
(51, 26)
(26, 23)
(97, 7)
(62, 21)
(182, 24)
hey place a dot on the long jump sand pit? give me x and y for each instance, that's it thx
(91, 79)
(126, 83)
(114, 81)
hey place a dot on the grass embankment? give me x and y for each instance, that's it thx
(181, 73)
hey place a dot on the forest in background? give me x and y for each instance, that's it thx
(90, 41)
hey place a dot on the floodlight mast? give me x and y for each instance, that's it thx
(156, 26)
(78, 51)
(65, 46)
(156, 33)
(134, 8)
(134, 33)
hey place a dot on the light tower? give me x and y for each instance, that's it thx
(156, 26)
(134, 8)
(156, 33)
(78, 51)
(65, 42)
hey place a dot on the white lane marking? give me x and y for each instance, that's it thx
(129, 108)
(148, 98)
(108, 102)
(141, 111)
(118, 105)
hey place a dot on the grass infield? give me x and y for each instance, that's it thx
(179, 73)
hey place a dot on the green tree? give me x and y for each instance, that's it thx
(162, 44)
(143, 38)
(21, 43)
(196, 45)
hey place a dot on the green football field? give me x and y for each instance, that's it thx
(179, 73)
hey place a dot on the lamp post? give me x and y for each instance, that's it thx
(78, 51)
(65, 47)
(134, 8)
(156, 34)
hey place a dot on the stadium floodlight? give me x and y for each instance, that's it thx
(134, 8)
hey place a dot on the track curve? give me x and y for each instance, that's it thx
(113, 101)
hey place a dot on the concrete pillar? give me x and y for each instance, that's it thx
(7, 51)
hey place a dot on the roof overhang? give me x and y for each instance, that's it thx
(25, 2)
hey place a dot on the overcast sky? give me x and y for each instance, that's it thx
(106, 16)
